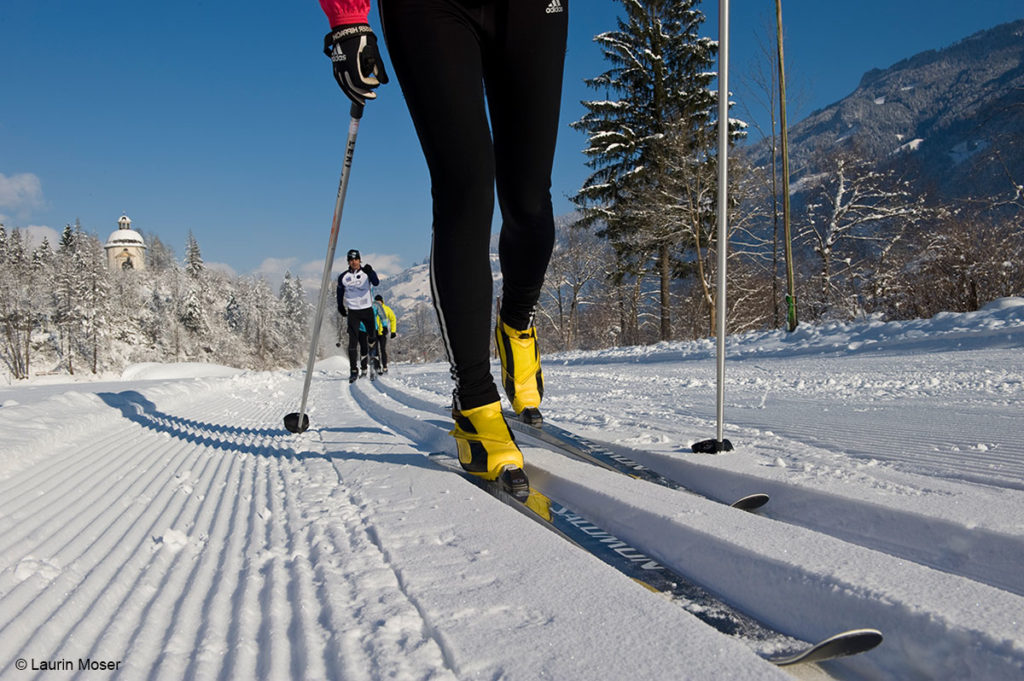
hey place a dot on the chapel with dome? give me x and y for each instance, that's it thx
(125, 247)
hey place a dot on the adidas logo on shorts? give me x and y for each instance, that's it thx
(555, 7)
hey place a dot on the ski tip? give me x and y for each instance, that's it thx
(296, 422)
(751, 502)
(852, 642)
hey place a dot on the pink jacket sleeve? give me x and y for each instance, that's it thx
(341, 12)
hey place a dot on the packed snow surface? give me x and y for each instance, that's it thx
(166, 526)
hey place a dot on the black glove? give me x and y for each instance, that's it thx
(343, 312)
(393, 334)
(367, 269)
(358, 67)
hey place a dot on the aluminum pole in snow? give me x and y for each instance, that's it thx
(720, 444)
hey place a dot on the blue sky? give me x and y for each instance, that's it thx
(221, 117)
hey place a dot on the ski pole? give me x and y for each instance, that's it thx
(298, 422)
(720, 444)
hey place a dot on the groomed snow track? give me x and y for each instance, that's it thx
(180, 532)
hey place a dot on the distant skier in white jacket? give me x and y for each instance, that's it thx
(356, 304)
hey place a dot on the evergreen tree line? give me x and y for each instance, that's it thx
(62, 311)
(637, 262)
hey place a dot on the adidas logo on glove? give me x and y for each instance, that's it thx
(555, 7)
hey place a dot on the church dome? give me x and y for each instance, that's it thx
(124, 235)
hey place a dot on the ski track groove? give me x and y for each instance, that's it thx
(939, 452)
(178, 642)
(273, 643)
(239, 663)
(113, 601)
(167, 584)
(89, 576)
(39, 511)
(210, 609)
(214, 634)
(169, 591)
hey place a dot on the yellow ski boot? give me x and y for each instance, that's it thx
(521, 375)
(486, 445)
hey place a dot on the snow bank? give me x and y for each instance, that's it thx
(998, 324)
(158, 371)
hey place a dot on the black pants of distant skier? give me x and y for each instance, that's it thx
(382, 349)
(446, 53)
(360, 344)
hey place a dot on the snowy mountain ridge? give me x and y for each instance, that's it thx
(947, 118)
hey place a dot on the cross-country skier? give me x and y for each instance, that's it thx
(447, 54)
(387, 327)
(356, 305)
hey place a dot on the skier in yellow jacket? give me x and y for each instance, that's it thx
(387, 327)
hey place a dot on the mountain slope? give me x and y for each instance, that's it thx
(941, 117)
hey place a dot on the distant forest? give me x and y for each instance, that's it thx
(62, 311)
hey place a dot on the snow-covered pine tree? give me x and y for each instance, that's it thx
(658, 88)
(192, 298)
(192, 315)
(80, 298)
(295, 311)
(193, 258)
(159, 256)
(263, 309)
(66, 291)
(16, 313)
(233, 314)
(94, 299)
(42, 256)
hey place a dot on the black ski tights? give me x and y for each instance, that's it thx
(360, 343)
(447, 54)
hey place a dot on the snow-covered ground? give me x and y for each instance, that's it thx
(167, 524)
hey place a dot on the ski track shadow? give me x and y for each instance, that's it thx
(397, 459)
(342, 451)
(138, 409)
(355, 429)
